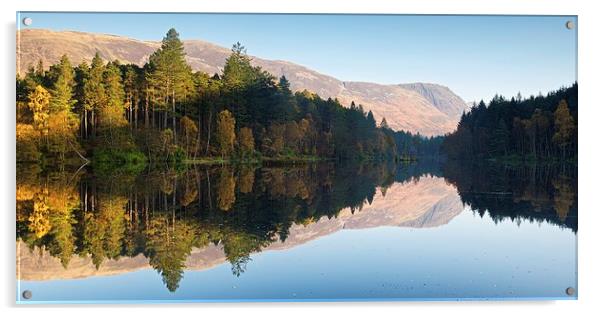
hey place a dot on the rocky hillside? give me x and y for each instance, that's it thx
(418, 107)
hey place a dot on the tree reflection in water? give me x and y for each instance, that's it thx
(165, 214)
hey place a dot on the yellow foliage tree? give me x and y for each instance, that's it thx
(225, 190)
(62, 127)
(39, 104)
(564, 125)
(190, 132)
(39, 219)
(246, 142)
(225, 132)
(27, 143)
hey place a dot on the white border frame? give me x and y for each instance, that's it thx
(589, 169)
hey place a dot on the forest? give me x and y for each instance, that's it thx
(535, 129)
(111, 114)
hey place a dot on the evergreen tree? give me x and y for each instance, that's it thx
(62, 76)
(170, 73)
(94, 96)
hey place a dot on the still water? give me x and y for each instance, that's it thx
(324, 231)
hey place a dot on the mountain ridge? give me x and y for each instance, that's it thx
(425, 108)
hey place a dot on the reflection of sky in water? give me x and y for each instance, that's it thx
(468, 258)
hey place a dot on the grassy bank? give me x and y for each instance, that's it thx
(253, 160)
(529, 160)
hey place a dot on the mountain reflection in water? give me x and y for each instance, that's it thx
(77, 225)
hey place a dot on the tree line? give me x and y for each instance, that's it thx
(108, 111)
(537, 128)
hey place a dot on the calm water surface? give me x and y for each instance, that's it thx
(304, 232)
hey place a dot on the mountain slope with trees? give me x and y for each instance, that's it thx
(163, 111)
(405, 107)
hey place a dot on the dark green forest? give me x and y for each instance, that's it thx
(115, 114)
(539, 128)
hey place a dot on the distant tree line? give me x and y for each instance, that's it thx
(164, 111)
(534, 129)
(415, 146)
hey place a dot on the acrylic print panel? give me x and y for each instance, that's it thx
(273, 157)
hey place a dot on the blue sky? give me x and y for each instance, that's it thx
(476, 56)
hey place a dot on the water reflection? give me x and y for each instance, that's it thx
(534, 193)
(74, 225)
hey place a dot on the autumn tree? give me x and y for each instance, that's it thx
(190, 135)
(246, 142)
(27, 143)
(292, 135)
(273, 142)
(225, 132)
(226, 185)
(39, 104)
(62, 130)
(564, 126)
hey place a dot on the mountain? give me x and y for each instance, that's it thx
(429, 109)
(426, 202)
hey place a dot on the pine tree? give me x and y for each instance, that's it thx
(63, 85)
(94, 96)
(384, 124)
(170, 73)
(82, 74)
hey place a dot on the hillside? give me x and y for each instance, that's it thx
(429, 109)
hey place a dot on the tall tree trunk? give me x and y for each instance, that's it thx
(93, 119)
(85, 123)
(130, 111)
(136, 111)
(208, 132)
(146, 111)
(153, 117)
(173, 116)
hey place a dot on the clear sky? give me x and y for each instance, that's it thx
(476, 56)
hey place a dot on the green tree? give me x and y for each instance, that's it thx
(94, 96)
(170, 73)
(62, 76)
(112, 122)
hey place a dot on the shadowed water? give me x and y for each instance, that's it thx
(320, 231)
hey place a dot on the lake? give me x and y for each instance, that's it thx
(301, 232)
